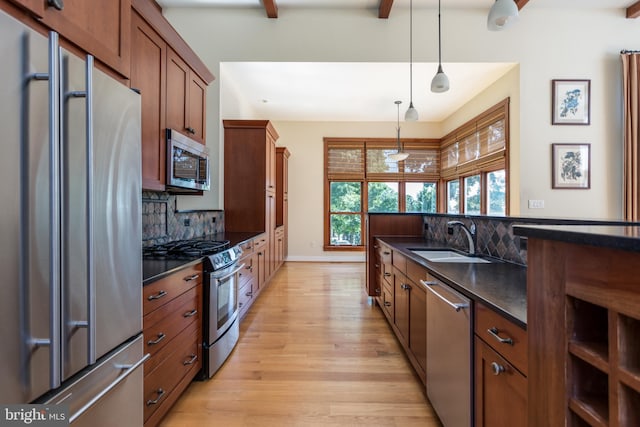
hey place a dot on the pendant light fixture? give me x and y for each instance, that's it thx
(412, 114)
(503, 13)
(440, 82)
(400, 155)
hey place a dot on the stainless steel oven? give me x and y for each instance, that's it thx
(221, 326)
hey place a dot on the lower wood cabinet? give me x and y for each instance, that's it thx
(172, 329)
(500, 370)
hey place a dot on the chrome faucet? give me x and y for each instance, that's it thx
(471, 234)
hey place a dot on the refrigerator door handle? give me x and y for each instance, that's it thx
(53, 341)
(90, 323)
(129, 369)
(91, 281)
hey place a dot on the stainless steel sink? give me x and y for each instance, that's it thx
(449, 257)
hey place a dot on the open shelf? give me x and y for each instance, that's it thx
(629, 412)
(594, 353)
(629, 343)
(588, 326)
(589, 393)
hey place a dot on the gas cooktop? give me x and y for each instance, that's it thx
(185, 249)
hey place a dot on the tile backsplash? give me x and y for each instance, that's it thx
(161, 222)
(494, 234)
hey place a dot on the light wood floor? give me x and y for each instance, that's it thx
(312, 352)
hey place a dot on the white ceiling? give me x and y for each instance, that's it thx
(353, 91)
(312, 91)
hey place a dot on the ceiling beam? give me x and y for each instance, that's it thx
(521, 3)
(271, 7)
(633, 11)
(385, 9)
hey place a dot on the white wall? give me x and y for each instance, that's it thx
(548, 44)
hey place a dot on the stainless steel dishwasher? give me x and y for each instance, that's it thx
(449, 360)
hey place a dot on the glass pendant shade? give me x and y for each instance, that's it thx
(412, 114)
(440, 82)
(502, 15)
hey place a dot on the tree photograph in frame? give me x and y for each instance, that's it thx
(571, 102)
(571, 167)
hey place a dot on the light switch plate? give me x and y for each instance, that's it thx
(536, 204)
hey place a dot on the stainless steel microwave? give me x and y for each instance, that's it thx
(187, 163)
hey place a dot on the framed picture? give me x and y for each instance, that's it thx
(571, 102)
(571, 166)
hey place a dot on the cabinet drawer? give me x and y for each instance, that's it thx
(245, 294)
(164, 290)
(180, 343)
(164, 324)
(246, 275)
(514, 348)
(247, 247)
(259, 242)
(384, 252)
(416, 272)
(387, 301)
(159, 383)
(399, 261)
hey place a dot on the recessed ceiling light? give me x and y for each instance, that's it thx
(264, 101)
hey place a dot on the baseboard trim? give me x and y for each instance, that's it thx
(342, 258)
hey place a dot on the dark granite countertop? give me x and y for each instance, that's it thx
(154, 269)
(501, 286)
(623, 236)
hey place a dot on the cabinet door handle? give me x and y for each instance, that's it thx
(157, 296)
(405, 286)
(161, 336)
(190, 313)
(387, 304)
(386, 253)
(494, 333)
(191, 130)
(157, 399)
(193, 358)
(496, 368)
(190, 278)
(387, 274)
(248, 294)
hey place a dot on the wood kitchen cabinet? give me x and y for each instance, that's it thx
(186, 98)
(282, 196)
(250, 185)
(102, 31)
(172, 330)
(148, 75)
(247, 277)
(172, 82)
(404, 302)
(386, 225)
(501, 365)
(583, 314)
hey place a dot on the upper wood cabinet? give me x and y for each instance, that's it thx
(172, 82)
(100, 29)
(149, 77)
(36, 7)
(186, 98)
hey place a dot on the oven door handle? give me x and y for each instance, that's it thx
(226, 276)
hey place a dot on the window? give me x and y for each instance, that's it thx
(383, 197)
(472, 195)
(474, 161)
(360, 178)
(421, 197)
(496, 193)
(346, 213)
(453, 197)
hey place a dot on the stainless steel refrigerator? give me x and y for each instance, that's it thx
(70, 246)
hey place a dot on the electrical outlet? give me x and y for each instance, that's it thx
(187, 222)
(450, 230)
(536, 204)
(213, 220)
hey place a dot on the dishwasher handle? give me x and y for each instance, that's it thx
(455, 306)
